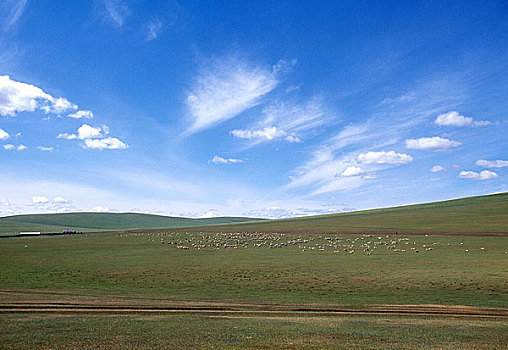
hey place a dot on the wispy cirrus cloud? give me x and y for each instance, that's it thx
(224, 90)
(366, 145)
(153, 28)
(287, 121)
(115, 11)
(10, 12)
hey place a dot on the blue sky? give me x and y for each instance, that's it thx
(263, 108)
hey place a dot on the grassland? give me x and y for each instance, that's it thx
(475, 215)
(174, 288)
(144, 264)
(244, 273)
(250, 331)
(95, 222)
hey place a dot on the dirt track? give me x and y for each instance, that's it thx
(213, 309)
(57, 302)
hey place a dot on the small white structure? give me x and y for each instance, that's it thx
(29, 233)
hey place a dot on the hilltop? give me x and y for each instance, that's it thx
(474, 215)
(94, 222)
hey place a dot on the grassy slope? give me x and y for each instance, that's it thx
(474, 215)
(100, 222)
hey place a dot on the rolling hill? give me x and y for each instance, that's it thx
(88, 222)
(474, 215)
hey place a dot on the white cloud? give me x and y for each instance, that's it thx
(383, 129)
(100, 209)
(39, 200)
(482, 175)
(59, 200)
(266, 134)
(220, 160)
(11, 147)
(10, 12)
(18, 97)
(435, 143)
(436, 169)
(382, 157)
(59, 105)
(492, 163)
(94, 138)
(453, 118)
(226, 90)
(86, 131)
(286, 121)
(153, 29)
(4, 135)
(278, 212)
(212, 213)
(67, 136)
(45, 149)
(81, 114)
(352, 171)
(106, 143)
(321, 172)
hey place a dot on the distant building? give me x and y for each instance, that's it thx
(68, 232)
(29, 233)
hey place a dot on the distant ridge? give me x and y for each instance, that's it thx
(474, 215)
(88, 222)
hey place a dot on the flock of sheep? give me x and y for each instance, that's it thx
(364, 244)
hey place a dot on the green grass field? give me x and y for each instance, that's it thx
(144, 264)
(152, 269)
(94, 222)
(262, 283)
(475, 215)
(250, 331)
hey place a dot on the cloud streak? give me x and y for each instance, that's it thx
(10, 12)
(224, 91)
(220, 160)
(285, 121)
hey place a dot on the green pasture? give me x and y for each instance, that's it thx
(37, 331)
(457, 271)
